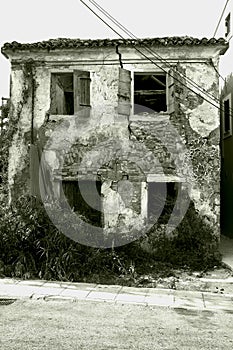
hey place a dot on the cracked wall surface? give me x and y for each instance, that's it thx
(96, 147)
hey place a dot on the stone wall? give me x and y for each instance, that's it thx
(184, 144)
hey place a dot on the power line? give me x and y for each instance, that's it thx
(220, 76)
(156, 55)
(194, 84)
(220, 18)
(148, 58)
(101, 19)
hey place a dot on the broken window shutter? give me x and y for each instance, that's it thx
(176, 87)
(124, 92)
(34, 171)
(171, 91)
(53, 95)
(38, 169)
(82, 92)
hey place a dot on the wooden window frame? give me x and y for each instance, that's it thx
(170, 96)
(161, 179)
(150, 73)
(81, 98)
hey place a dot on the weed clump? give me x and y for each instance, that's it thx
(32, 247)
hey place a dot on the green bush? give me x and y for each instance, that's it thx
(193, 244)
(32, 247)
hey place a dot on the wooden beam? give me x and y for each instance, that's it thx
(158, 81)
(149, 92)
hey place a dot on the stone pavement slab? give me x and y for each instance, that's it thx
(101, 296)
(132, 295)
(160, 300)
(218, 302)
(160, 297)
(188, 299)
(75, 293)
(52, 290)
(123, 298)
(18, 291)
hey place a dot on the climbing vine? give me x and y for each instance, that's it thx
(4, 147)
(17, 109)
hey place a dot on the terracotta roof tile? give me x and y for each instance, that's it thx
(62, 43)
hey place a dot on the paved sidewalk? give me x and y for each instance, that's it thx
(61, 291)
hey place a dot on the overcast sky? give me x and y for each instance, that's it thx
(28, 21)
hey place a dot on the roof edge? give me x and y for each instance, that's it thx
(66, 43)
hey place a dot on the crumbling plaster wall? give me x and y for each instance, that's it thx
(23, 110)
(198, 125)
(196, 121)
(20, 115)
(203, 143)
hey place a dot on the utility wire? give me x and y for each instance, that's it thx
(220, 76)
(220, 18)
(128, 32)
(123, 28)
(148, 58)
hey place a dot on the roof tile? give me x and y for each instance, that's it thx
(64, 43)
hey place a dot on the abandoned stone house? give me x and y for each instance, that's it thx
(124, 127)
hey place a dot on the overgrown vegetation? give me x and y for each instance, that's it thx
(31, 247)
(4, 148)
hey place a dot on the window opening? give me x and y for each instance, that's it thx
(62, 93)
(70, 93)
(78, 204)
(149, 92)
(155, 200)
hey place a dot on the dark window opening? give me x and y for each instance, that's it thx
(149, 93)
(226, 116)
(157, 191)
(62, 93)
(228, 25)
(87, 202)
(69, 98)
(70, 93)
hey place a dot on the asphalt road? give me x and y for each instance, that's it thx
(38, 324)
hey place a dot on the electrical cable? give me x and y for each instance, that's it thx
(123, 28)
(220, 76)
(220, 18)
(148, 58)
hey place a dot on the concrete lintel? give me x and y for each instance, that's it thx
(153, 117)
(164, 178)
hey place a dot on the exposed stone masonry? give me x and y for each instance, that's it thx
(121, 151)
